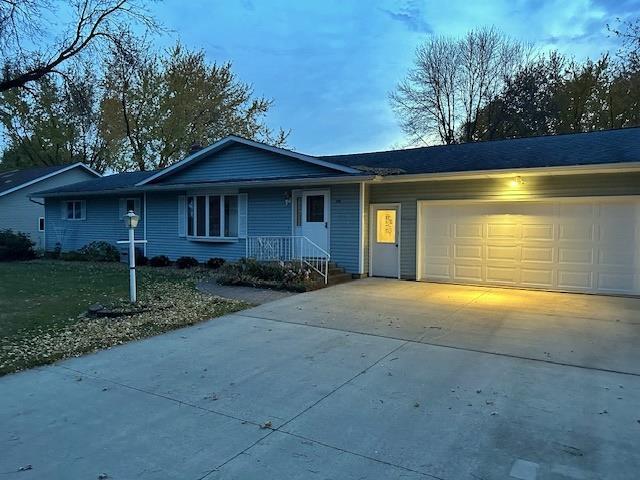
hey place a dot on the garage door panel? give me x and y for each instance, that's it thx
(537, 278)
(468, 273)
(539, 231)
(503, 252)
(588, 245)
(575, 231)
(575, 280)
(537, 254)
(503, 274)
(468, 230)
(497, 231)
(468, 252)
(575, 255)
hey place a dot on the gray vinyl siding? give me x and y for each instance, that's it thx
(409, 193)
(244, 162)
(20, 214)
(102, 222)
(344, 235)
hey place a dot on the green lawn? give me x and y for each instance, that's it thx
(42, 303)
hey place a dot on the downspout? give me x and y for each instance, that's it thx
(361, 229)
(44, 232)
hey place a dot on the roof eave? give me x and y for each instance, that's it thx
(49, 175)
(510, 172)
(219, 185)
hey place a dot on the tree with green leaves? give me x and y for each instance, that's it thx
(157, 107)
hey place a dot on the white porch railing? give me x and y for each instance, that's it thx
(295, 248)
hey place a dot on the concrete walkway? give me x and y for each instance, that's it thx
(250, 295)
(251, 396)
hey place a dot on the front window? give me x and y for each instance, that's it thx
(74, 210)
(212, 216)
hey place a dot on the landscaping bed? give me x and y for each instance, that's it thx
(44, 308)
(289, 276)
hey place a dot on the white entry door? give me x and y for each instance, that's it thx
(385, 240)
(314, 217)
(584, 245)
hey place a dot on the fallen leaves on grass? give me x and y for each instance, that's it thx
(164, 306)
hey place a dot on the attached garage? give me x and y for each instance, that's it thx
(574, 244)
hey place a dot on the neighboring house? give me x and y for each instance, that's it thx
(556, 212)
(20, 210)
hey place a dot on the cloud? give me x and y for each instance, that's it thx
(411, 16)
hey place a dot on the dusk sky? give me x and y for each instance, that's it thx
(329, 65)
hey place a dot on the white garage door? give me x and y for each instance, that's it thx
(568, 245)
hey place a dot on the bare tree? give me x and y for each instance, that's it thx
(451, 81)
(30, 51)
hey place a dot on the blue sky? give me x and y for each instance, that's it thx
(329, 65)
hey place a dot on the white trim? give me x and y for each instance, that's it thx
(144, 223)
(361, 252)
(49, 175)
(232, 138)
(83, 210)
(373, 229)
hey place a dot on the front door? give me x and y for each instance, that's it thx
(314, 217)
(385, 240)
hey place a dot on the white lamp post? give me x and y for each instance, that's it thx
(131, 221)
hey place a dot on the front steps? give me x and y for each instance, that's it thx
(337, 275)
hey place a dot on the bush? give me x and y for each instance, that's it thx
(15, 246)
(276, 275)
(140, 258)
(73, 256)
(215, 263)
(159, 261)
(186, 262)
(100, 251)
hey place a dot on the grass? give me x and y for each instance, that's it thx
(43, 302)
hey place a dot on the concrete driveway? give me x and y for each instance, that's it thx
(372, 379)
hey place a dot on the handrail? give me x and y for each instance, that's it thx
(289, 248)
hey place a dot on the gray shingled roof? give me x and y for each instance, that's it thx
(604, 147)
(109, 182)
(14, 178)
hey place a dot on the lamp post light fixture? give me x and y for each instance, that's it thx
(131, 221)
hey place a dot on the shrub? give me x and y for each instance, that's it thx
(140, 257)
(215, 263)
(15, 246)
(100, 251)
(73, 256)
(186, 262)
(159, 261)
(277, 275)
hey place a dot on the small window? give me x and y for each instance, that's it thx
(74, 210)
(214, 216)
(315, 208)
(230, 216)
(298, 211)
(386, 226)
(41, 224)
(190, 215)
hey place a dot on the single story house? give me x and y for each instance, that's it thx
(555, 212)
(20, 210)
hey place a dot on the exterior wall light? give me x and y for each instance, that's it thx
(516, 182)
